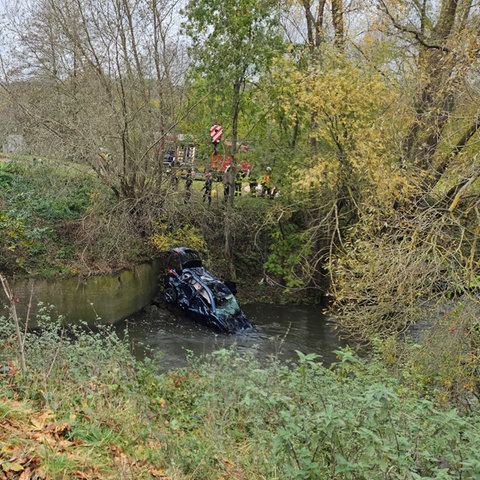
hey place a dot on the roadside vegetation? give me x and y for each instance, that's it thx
(85, 408)
(58, 219)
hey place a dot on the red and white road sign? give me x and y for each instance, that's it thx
(216, 133)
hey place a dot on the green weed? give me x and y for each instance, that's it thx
(225, 416)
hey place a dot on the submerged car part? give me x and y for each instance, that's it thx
(190, 286)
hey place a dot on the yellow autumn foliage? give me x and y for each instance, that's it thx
(164, 238)
(358, 122)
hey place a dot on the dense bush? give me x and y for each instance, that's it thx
(304, 421)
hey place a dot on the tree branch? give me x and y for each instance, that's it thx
(412, 31)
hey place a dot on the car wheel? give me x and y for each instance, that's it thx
(170, 294)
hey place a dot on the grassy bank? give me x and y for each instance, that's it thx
(58, 219)
(84, 408)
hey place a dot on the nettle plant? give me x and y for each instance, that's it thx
(305, 421)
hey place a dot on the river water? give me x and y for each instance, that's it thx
(281, 330)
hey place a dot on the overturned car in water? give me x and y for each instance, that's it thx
(203, 296)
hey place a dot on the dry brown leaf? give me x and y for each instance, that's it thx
(12, 466)
(39, 421)
(81, 475)
(157, 472)
(42, 438)
(62, 428)
(11, 426)
(9, 451)
(41, 474)
(26, 474)
(34, 462)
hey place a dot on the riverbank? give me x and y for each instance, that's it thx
(85, 408)
(60, 222)
(96, 299)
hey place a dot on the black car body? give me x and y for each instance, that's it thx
(203, 296)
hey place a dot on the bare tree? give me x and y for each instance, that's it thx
(105, 85)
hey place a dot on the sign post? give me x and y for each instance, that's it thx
(216, 132)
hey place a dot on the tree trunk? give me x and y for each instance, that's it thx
(338, 25)
(229, 181)
(315, 34)
(435, 101)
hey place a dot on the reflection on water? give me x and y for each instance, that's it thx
(281, 330)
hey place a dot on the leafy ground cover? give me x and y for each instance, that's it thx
(57, 218)
(85, 408)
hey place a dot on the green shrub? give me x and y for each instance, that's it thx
(38, 197)
(309, 422)
(48, 190)
(229, 416)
